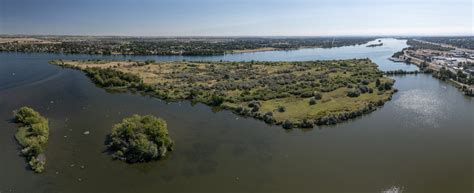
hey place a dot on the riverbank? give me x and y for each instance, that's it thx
(424, 55)
(253, 50)
(291, 94)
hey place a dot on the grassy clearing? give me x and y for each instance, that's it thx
(332, 103)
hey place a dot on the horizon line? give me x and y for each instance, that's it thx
(242, 36)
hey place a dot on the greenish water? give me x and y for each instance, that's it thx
(421, 140)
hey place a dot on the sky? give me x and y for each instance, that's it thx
(237, 17)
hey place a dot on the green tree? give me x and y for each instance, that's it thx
(140, 139)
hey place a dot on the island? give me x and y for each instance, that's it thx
(32, 135)
(291, 94)
(375, 45)
(140, 139)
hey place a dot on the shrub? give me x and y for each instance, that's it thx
(307, 123)
(217, 100)
(287, 124)
(365, 82)
(306, 94)
(363, 89)
(253, 104)
(281, 109)
(112, 78)
(388, 85)
(317, 95)
(268, 118)
(353, 93)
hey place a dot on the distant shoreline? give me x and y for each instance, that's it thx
(168, 46)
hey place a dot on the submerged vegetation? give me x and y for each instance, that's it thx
(32, 135)
(140, 139)
(291, 94)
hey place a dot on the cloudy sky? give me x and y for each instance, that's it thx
(237, 17)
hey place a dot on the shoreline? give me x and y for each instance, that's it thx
(428, 67)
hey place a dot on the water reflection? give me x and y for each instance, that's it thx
(393, 189)
(426, 107)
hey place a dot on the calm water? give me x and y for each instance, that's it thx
(421, 140)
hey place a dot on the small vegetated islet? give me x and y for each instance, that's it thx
(32, 135)
(140, 139)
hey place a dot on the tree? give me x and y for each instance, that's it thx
(281, 109)
(140, 139)
(353, 93)
(317, 96)
(217, 100)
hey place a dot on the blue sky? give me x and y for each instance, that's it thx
(237, 17)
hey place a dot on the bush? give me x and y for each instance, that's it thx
(353, 93)
(140, 139)
(268, 118)
(217, 100)
(306, 94)
(36, 164)
(112, 78)
(312, 101)
(363, 89)
(25, 115)
(317, 96)
(287, 124)
(388, 85)
(307, 123)
(281, 109)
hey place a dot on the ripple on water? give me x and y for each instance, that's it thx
(393, 189)
(421, 107)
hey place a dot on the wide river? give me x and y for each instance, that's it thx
(421, 141)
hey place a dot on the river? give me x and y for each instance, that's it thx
(421, 141)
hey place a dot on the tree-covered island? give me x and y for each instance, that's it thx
(291, 94)
(140, 139)
(32, 135)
